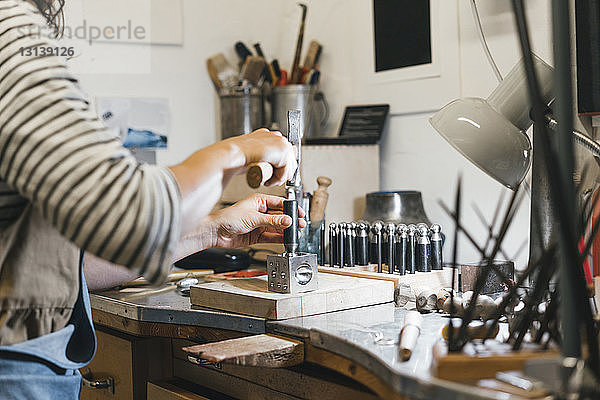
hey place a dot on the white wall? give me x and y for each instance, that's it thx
(413, 156)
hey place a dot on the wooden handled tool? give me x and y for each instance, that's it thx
(319, 200)
(258, 174)
(295, 72)
(409, 334)
(475, 330)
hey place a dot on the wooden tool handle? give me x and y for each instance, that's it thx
(409, 334)
(258, 174)
(319, 200)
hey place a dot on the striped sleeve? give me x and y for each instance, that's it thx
(56, 153)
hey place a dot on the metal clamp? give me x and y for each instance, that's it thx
(202, 361)
(89, 382)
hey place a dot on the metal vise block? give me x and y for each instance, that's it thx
(292, 273)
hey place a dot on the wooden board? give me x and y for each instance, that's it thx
(257, 351)
(464, 367)
(251, 297)
(433, 279)
(305, 381)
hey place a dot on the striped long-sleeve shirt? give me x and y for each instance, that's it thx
(56, 156)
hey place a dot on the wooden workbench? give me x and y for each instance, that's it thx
(346, 354)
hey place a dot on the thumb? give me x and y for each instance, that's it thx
(275, 221)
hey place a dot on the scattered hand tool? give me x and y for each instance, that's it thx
(312, 55)
(409, 334)
(377, 230)
(362, 244)
(332, 244)
(436, 247)
(475, 329)
(267, 69)
(401, 248)
(320, 198)
(295, 72)
(423, 249)
(221, 72)
(275, 71)
(350, 235)
(341, 247)
(252, 70)
(391, 246)
(426, 301)
(411, 254)
(242, 51)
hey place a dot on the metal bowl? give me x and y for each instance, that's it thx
(403, 206)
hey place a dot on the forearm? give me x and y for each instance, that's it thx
(201, 179)
(101, 274)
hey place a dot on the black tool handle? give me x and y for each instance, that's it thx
(379, 252)
(424, 257)
(391, 249)
(436, 254)
(411, 255)
(332, 246)
(290, 234)
(401, 249)
(322, 243)
(349, 250)
(340, 248)
(362, 250)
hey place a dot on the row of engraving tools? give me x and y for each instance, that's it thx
(403, 248)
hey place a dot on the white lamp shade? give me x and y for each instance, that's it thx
(486, 138)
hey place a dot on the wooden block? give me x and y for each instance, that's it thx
(257, 351)
(251, 297)
(463, 367)
(433, 279)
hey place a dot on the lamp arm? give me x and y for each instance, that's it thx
(581, 138)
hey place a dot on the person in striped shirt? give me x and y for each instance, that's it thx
(67, 185)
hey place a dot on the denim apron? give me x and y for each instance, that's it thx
(46, 367)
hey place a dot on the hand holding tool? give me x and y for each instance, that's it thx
(292, 272)
(409, 334)
(295, 72)
(320, 198)
(259, 173)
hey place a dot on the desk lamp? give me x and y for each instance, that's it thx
(491, 134)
